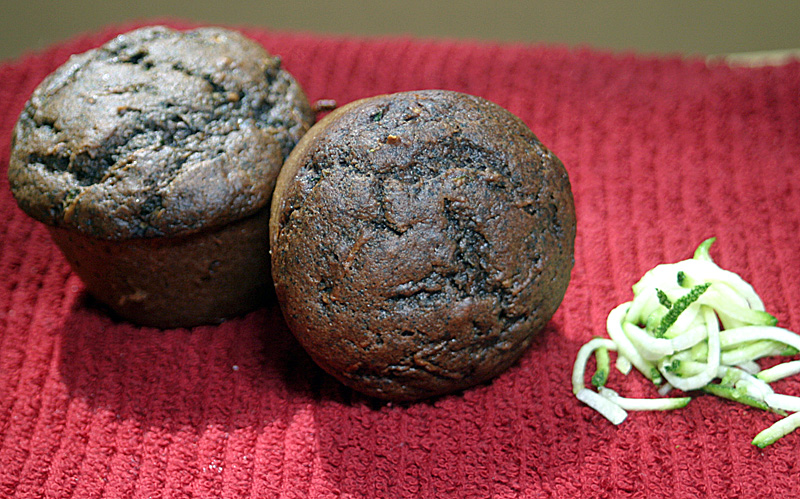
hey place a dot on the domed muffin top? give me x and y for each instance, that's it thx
(419, 240)
(157, 133)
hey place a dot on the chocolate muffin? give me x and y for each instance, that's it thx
(152, 159)
(419, 240)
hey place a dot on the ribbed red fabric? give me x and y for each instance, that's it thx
(662, 153)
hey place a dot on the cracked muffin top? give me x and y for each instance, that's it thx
(419, 240)
(157, 133)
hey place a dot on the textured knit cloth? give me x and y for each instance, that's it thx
(662, 153)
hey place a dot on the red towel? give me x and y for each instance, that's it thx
(662, 153)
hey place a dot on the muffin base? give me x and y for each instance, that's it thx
(202, 278)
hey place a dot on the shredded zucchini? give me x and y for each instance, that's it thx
(691, 323)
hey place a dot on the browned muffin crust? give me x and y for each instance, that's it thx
(152, 160)
(419, 240)
(157, 133)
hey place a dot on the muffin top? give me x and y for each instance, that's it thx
(419, 240)
(157, 133)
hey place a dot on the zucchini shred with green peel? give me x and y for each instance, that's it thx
(690, 324)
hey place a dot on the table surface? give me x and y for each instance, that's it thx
(662, 153)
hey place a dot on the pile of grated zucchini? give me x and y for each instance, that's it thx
(693, 326)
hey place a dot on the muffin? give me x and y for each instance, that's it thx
(152, 160)
(419, 241)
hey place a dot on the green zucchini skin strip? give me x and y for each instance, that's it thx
(678, 308)
(777, 431)
(703, 252)
(729, 393)
(600, 376)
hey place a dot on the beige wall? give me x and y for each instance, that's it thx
(688, 27)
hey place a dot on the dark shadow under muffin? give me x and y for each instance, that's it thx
(419, 240)
(162, 138)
